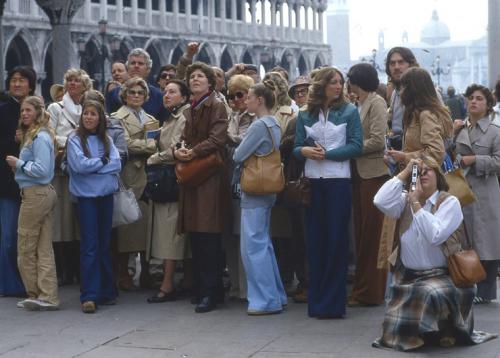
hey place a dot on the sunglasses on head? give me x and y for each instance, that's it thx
(238, 95)
(166, 75)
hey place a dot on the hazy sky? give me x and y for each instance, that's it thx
(466, 20)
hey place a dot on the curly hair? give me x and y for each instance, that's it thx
(485, 91)
(281, 88)
(317, 98)
(240, 82)
(131, 82)
(79, 73)
(41, 121)
(206, 69)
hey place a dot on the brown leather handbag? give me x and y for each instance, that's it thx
(263, 174)
(197, 170)
(464, 266)
(297, 193)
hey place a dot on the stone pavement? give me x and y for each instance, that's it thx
(134, 328)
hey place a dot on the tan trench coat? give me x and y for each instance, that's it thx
(482, 218)
(164, 240)
(426, 134)
(207, 207)
(374, 121)
(132, 237)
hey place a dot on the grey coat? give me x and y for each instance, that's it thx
(482, 218)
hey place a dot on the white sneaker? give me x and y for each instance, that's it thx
(20, 304)
(39, 305)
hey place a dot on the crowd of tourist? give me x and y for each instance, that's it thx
(366, 162)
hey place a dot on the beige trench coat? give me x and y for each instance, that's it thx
(164, 240)
(132, 237)
(482, 218)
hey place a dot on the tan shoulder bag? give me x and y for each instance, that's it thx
(263, 174)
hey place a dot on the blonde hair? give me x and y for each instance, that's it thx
(41, 121)
(74, 72)
(281, 88)
(240, 82)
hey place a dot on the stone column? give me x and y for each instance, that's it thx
(493, 41)
(282, 21)
(176, 14)
(201, 26)
(163, 14)
(223, 16)
(290, 19)
(298, 30)
(87, 11)
(188, 15)
(211, 16)
(263, 18)
(306, 18)
(119, 12)
(273, 19)
(149, 13)
(315, 22)
(60, 15)
(254, 17)
(135, 9)
(103, 9)
(233, 15)
(33, 9)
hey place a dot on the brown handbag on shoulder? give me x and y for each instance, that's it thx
(263, 174)
(197, 170)
(464, 266)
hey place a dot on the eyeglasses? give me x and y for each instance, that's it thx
(166, 75)
(301, 92)
(238, 95)
(136, 93)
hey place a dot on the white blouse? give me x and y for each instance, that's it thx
(420, 244)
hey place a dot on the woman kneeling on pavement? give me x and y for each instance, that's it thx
(266, 294)
(424, 303)
(94, 164)
(34, 171)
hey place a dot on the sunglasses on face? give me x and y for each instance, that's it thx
(166, 75)
(237, 95)
(136, 93)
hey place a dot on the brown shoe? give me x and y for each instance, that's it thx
(300, 297)
(125, 283)
(88, 307)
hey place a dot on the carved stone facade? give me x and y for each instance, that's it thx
(264, 32)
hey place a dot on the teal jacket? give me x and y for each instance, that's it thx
(348, 114)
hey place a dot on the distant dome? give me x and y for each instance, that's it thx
(435, 31)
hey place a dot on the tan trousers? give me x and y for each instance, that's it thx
(35, 257)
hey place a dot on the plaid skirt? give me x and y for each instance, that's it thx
(423, 302)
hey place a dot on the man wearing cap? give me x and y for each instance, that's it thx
(21, 82)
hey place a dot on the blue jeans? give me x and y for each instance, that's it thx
(10, 280)
(328, 246)
(96, 270)
(265, 289)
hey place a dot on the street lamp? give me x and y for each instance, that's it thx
(103, 27)
(437, 70)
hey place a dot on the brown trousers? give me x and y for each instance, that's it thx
(369, 282)
(35, 256)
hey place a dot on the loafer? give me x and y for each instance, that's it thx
(262, 313)
(163, 296)
(206, 304)
(88, 307)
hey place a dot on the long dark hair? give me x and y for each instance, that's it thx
(419, 94)
(83, 133)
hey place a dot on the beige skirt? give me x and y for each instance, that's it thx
(66, 226)
(164, 241)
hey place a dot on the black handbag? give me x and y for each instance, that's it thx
(297, 193)
(162, 186)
